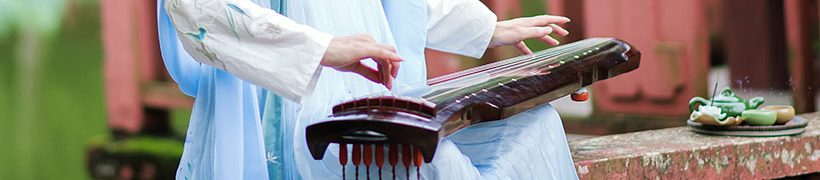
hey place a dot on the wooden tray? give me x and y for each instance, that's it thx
(793, 127)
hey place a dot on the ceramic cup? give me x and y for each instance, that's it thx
(758, 117)
(785, 113)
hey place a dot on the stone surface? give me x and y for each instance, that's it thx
(679, 153)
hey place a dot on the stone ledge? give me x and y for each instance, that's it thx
(678, 153)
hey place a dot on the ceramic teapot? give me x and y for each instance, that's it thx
(728, 102)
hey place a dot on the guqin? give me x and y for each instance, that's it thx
(414, 120)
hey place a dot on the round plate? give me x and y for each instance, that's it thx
(795, 126)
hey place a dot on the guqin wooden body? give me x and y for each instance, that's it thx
(420, 117)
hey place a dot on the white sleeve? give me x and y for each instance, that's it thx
(459, 26)
(256, 44)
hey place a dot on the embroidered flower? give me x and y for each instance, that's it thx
(272, 159)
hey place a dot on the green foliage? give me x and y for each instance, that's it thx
(164, 149)
(69, 107)
(179, 121)
(44, 16)
(534, 8)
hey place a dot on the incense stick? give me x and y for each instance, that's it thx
(714, 91)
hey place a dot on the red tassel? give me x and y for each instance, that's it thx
(343, 154)
(380, 159)
(357, 157)
(418, 160)
(368, 157)
(343, 158)
(406, 157)
(394, 158)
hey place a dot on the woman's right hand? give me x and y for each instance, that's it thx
(345, 53)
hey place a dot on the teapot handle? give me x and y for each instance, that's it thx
(755, 102)
(695, 101)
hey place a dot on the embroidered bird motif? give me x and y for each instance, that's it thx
(200, 36)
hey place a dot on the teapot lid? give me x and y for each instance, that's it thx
(727, 95)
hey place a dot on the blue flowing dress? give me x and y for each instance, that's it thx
(238, 130)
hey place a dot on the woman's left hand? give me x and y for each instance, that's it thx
(515, 31)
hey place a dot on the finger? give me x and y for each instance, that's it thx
(522, 47)
(549, 40)
(544, 20)
(395, 69)
(387, 47)
(559, 30)
(381, 53)
(387, 79)
(366, 72)
(534, 32)
(385, 72)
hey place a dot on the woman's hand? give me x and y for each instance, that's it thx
(345, 53)
(515, 31)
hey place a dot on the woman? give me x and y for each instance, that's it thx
(285, 55)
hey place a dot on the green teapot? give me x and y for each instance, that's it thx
(728, 102)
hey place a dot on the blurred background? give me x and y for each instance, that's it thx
(83, 94)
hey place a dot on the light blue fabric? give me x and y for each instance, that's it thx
(182, 67)
(529, 145)
(272, 118)
(407, 22)
(271, 127)
(224, 138)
